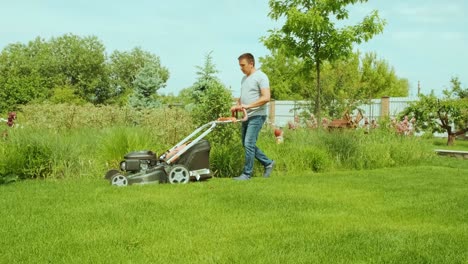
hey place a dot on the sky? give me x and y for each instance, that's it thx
(425, 41)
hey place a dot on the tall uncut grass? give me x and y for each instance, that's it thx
(63, 141)
(321, 150)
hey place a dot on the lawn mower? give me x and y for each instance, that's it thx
(187, 161)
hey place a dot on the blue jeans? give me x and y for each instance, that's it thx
(250, 130)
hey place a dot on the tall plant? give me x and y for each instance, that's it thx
(214, 100)
(448, 114)
(124, 67)
(147, 82)
(310, 33)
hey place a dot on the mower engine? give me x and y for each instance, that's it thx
(138, 161)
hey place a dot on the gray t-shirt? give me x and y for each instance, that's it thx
(250, 91)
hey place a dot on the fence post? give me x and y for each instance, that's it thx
(385, 106)
(271, 114)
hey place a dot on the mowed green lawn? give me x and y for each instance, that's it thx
(398, 215)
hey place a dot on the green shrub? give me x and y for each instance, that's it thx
(227, 160)
(301, 151)
(26, 156)
(342, 145)
(70, 117)
(318, 159)
(352, 149)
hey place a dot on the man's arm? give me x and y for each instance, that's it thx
(264, 98)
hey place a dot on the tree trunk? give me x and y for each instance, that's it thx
(318, 93)
(452, 136)
(451, 139)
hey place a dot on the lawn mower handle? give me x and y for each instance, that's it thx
(235, 114)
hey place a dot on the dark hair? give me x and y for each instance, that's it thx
(249, 57)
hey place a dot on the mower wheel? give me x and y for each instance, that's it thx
(111, 173)
(179, 174)
(119, 180)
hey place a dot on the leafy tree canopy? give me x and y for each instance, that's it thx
(147, 82)
(73, 69)
(346, 82)
(310, 33)
(124, 66)
(448, 114)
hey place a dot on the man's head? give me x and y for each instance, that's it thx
(247, 63)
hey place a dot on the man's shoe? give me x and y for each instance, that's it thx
(269, 169)
(243, 177)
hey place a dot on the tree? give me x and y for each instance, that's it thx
(288, 81)
(341, 86)
(147, 82)
(124, 67)
(355, 80)
(310, 32)
(449, 114)
(22, 78)
(80, 63)
(379, 79)
(70, 68)
(40, 69)
(346, 82)
(212, 98)
(206, 78)
(457, 90)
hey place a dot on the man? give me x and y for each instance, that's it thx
(255, 93)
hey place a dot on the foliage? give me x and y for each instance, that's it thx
(288, 81)
(215, 102)
(457, 90)
(65, 95)
(379, 79)
(70, 67)
(225, 158)
(124, 68)
(310, 33)
(63, 141)
(320, 150)
(212, 98)
(24, 73)
(147, 82)
(168, 125)
(186, 96)
(80, 62)
(31, 72)
(206, 78)
(449, 114)
(27, 158)
(115, 142)
(355, 80)
(172, 100)
(346, 82)
(342, 88)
